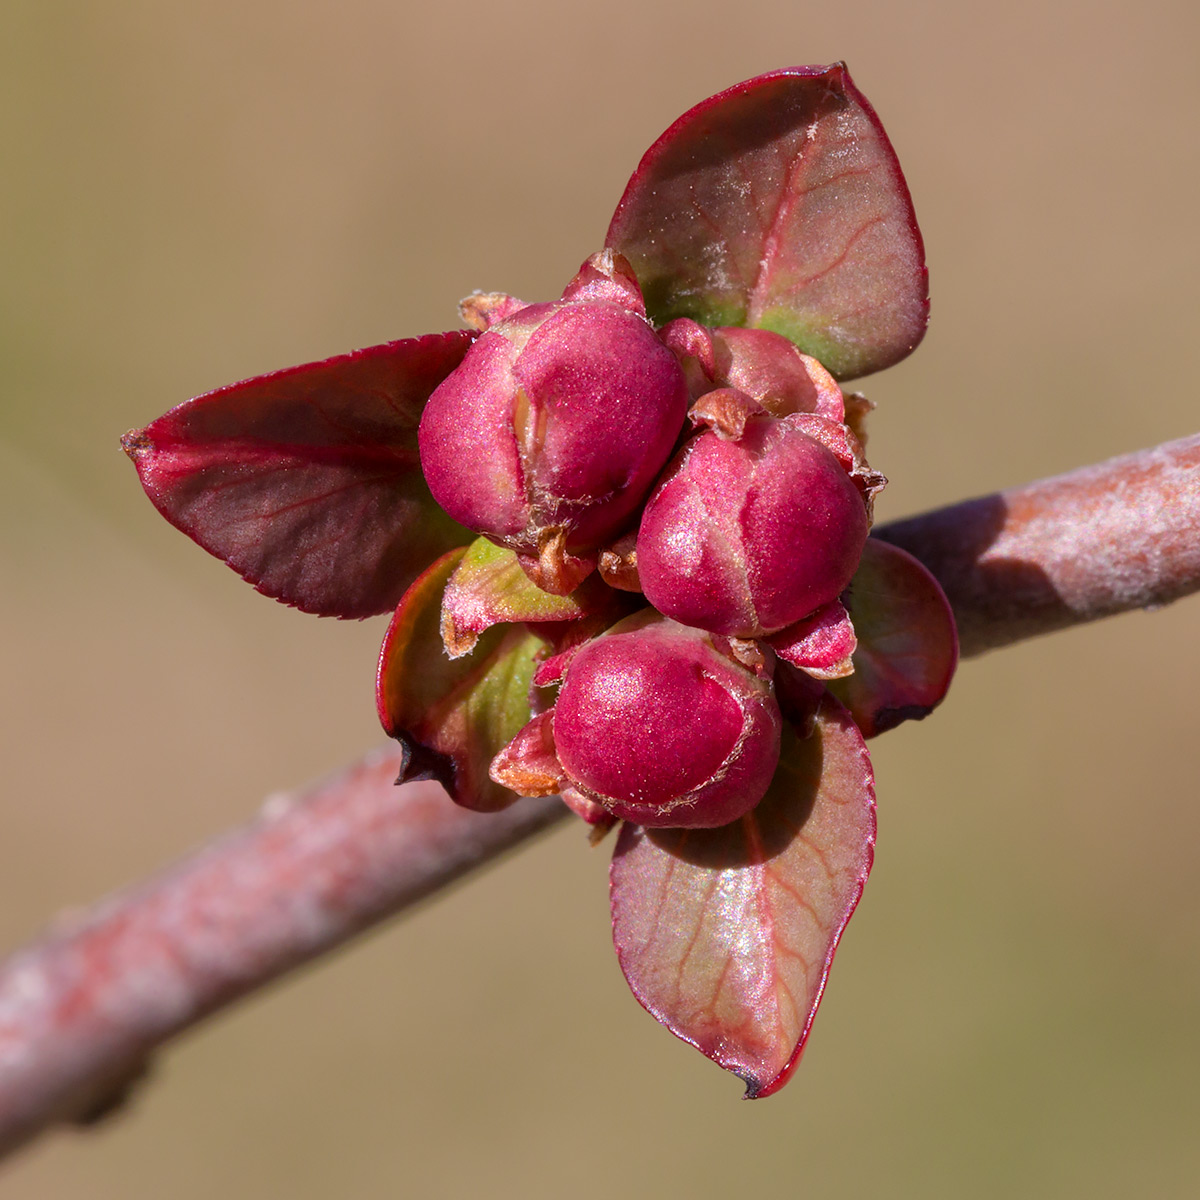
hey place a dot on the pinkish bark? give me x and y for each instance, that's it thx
(1120, 535)
(82, 1010)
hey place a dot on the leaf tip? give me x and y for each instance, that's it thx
(457, 640)
(420, 762)
(136, 443)
(889, 718)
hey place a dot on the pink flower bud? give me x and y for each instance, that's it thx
(765, 366)
(773, 370)
(548, 436)
(661, 725)
(754, 526)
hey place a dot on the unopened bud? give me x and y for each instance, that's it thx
(745, 535)
(549, 434)
(662, 725)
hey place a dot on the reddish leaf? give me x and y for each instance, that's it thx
(489, 587)
(726, 935)
(454, 715)
(307, 481)
(907, 642)
(779, 204)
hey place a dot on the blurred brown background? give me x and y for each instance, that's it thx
(190, 194)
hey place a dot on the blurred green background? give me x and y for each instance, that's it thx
(190, 194)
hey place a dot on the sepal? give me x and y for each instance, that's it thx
(482, 310)
(607, 276)
(820, 644)
(528, 765)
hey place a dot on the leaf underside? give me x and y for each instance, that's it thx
(307, 482)
(726, 936)
(780, 204)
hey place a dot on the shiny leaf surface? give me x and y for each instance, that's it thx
(726, 935)
(454, 715)
(307, 481)
(779, 204)
(907, 643)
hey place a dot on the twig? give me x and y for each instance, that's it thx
(83, 1009)
(1120, 535)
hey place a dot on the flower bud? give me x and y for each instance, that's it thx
(772, 370)
(768, 367)
(548, 436)
(754, 525)
(661, 725)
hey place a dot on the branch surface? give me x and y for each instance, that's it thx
(1120, 535)
(83, 1009)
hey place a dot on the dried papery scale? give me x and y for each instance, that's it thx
(548, 436)
(618, 564)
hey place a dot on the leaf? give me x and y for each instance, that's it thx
(726, 935)
(780, 204)
(455, 715)
(489, 587)
(607, 277)
(307, 482)
(907, 642)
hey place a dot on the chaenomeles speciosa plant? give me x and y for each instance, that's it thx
(624, 536)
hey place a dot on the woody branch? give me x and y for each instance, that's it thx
(83, 1009)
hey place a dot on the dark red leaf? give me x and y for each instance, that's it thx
(307, 481)
(726, 935)
(455, 715)
(779, 204)
(907, 643)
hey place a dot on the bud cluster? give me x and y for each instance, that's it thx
(714, 471)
